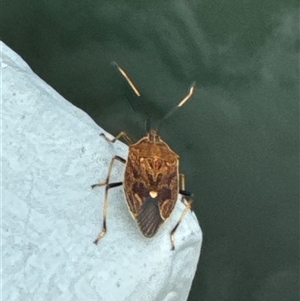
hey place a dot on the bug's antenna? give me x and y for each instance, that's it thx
(148, 124)
(181, 103)
(136, 105)
(129, 81)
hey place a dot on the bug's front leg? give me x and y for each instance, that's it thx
(107, 186)
(118, 137)
(187, 203)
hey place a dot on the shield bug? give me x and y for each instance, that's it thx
(152, 180)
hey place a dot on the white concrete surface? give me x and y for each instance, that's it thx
(51, 154)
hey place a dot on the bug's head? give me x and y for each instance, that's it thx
(153, 135)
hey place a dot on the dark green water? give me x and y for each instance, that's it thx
(238, 137)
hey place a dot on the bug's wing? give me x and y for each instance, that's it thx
(153, 212)
(144, 208)
(148, 218)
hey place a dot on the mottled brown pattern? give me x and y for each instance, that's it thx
(151, 166)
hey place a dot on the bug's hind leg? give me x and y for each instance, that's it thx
(107, 186)
(187, 203)
(184, 212)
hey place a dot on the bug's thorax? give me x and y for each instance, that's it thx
(152, 161)
(152, 146)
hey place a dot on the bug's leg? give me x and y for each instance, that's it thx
(118, 137)
(186, 209)
(107, 186)
(103, 231)
(187, 203)
(182, 181)
(109, 171)
(182, 190)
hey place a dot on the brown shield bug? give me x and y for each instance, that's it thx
(152, 180)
